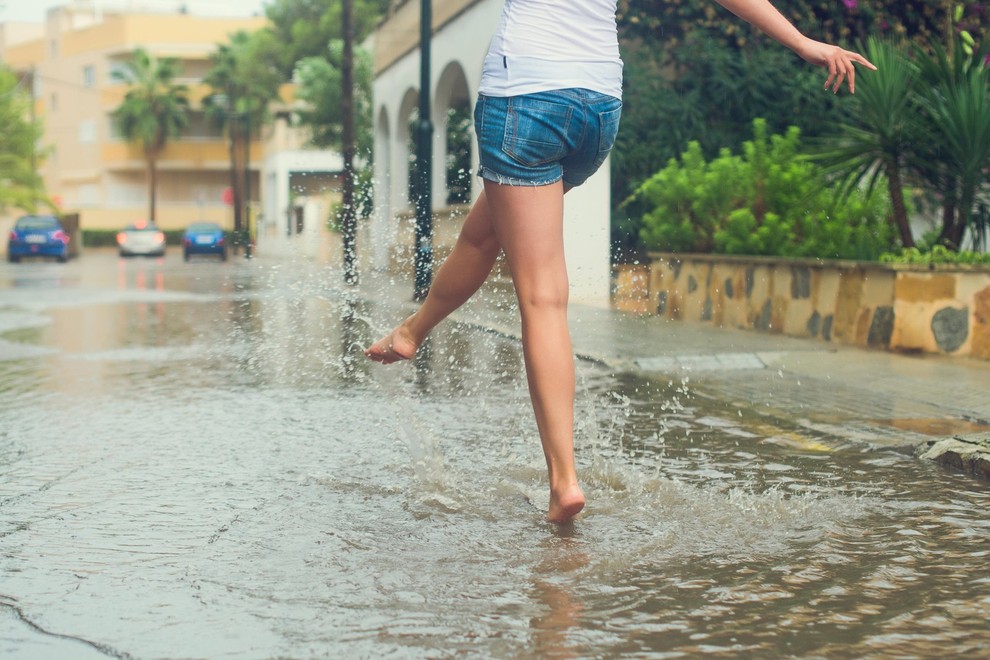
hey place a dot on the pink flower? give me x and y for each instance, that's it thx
(850, 4)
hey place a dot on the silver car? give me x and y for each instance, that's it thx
(141, 239)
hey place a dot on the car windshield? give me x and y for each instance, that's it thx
(38, 222)
(203, 228)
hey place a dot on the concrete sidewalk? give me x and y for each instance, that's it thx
(846, 394)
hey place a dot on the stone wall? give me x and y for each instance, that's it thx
(938, 309)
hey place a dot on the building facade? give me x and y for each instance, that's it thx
(68, 62)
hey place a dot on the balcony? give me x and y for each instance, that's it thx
(204, 154)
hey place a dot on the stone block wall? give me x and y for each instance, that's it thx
(898, 307)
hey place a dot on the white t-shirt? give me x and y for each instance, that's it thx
(542, 45)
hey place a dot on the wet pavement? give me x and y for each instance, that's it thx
(196, 462)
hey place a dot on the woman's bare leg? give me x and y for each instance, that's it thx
(462, 273)
(529, 224)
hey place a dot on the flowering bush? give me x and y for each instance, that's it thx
(849, 21)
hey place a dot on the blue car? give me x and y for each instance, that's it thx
(38, 236)
(204, 238)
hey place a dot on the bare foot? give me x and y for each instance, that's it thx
(396, 345)
(565, 503)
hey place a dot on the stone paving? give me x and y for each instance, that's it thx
(874, 397)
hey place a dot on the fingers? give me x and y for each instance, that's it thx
(841, 68)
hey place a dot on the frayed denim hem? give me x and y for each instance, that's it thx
(495, 177)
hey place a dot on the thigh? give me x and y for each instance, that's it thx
(529, 222)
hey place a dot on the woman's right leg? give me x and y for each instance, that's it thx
(462, 273)
(529, 223)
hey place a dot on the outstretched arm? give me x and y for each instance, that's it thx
(764, 16)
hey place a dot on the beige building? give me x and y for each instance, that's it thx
(69, 62)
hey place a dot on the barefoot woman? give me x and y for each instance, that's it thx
(546, 117)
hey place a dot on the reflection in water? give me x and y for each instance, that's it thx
(272, 497)
(554, 627)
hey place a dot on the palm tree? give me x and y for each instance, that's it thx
(956, 161)
(155, 110)
(244, 78)
(881, 132)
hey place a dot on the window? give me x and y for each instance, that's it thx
(89, 76)
(116, 69)
(87, 131)
(88, 195)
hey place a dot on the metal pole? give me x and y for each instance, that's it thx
(424, 161)
(349, 213)
(247, 185)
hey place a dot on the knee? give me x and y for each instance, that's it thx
(486, 245)
(543, 299)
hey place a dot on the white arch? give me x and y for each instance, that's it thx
(451, 91)
(403, 150)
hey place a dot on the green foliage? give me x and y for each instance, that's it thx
(769, 201)
(458, 162)
(155, 109)
(954, 159)
(319, 79)
(305, 27)
(923, 121)
(20, 184)
(710, 93)
(244, 78)
(694, 72)
(830, 20)
(877, 139)
(938, 254)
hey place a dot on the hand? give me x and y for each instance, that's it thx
(839, 62)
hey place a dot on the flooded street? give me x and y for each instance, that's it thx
(196, 461)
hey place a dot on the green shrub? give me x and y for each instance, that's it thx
(769, 201)
(938, 254)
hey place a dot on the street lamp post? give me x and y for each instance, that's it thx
(424, 161)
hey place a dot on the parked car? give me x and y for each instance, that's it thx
(141, 239)
(38, 236)
(204, 238)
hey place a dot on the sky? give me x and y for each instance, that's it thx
(34, 11)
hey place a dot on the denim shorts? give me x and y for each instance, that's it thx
(539, 139)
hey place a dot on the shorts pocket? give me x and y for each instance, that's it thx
(608, 123)
(536, 130)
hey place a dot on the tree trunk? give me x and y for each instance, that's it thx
(896, 190)
(235, 181)
(948, 223)
(152, 160)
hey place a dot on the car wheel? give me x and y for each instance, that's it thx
(12, 259)
(223, 256)
(185, 255)
(62, 258)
